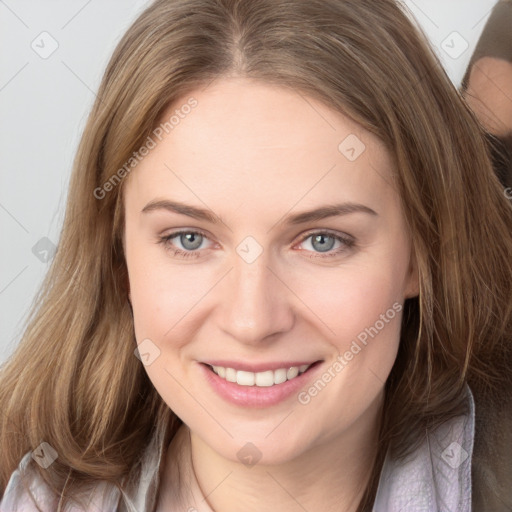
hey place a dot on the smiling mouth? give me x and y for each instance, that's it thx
(266, 378)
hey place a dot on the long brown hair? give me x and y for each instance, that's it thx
(74, 381)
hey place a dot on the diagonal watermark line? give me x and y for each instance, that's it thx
(280, 423)
(489, 115)
(286, 491)
(305, 194)
(301, 300)
(79, 79)
(14, 76)
(91, 90)
(493, 82)
(98, 503)
(376, 376)
(424, 14)
(197, 197)
(12, 280)
(199, 403)
(483, 17)
(210, 83)
(309, 103)
(198, 301)
(105, 105)
(216, 487)
(76, 14)
(13, 13)
(13, 217)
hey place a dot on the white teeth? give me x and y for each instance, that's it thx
(245, 378)
(230, 375)
(280, 376)
(292, 373)
(264, 379)
(260, 379)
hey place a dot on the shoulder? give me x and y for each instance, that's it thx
(27, 491)
(436, 475)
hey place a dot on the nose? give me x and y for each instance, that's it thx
(256, 303)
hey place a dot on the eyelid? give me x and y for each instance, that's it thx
(321, 231)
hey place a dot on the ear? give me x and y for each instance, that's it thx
(412, 280)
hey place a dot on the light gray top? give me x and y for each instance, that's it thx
(436, 477)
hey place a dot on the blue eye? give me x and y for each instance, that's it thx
(318, 242)
(190, 240)
(322, 243)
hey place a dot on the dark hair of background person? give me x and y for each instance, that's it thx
(495, 42)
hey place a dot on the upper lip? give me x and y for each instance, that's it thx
(257, 367)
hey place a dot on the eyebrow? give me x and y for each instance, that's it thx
(320, 213)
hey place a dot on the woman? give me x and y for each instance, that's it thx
(230, 141)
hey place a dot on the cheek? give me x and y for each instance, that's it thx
(148, 290)
(360, 312)
(165, 297)
(163, 301)
(349, 300)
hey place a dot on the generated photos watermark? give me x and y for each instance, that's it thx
(158, 133)
(305, 397)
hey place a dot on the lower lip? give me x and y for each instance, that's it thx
(255, 396)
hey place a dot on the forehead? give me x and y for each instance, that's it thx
(246, 142)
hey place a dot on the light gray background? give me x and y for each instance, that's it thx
(45, 99)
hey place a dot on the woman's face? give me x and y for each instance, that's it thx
(256, 281)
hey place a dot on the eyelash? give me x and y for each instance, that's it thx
(348, 243)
